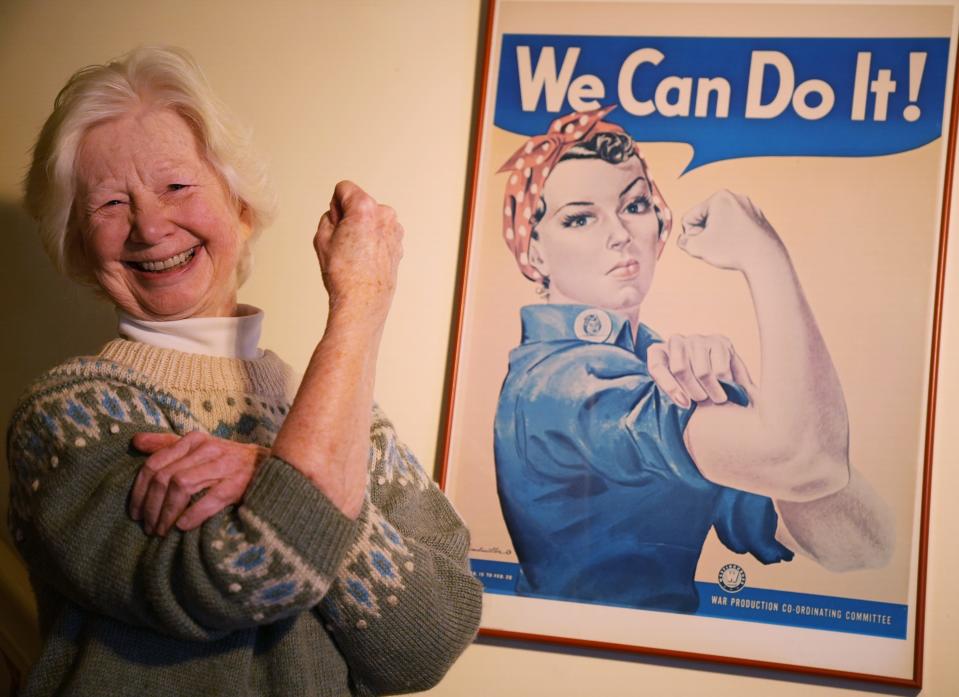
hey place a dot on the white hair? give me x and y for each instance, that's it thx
(158, 77)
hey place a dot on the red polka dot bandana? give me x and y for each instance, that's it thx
(529, 167)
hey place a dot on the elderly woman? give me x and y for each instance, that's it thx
(617, 453)
(193, 522)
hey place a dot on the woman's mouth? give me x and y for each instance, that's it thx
(628, 268)
(165, 265)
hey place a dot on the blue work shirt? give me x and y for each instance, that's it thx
(600, 495)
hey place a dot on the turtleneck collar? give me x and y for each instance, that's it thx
(226, 337)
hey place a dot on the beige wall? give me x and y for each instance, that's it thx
(380, 92)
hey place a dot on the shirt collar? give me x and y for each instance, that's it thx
(583, 323)
(226, 337)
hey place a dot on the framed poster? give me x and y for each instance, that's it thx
(695, 369)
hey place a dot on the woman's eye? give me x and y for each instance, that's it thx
(112, 203)
(177, 187)
(637, 205)
(576, 220)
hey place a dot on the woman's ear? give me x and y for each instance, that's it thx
(537, 259)
(246, 221)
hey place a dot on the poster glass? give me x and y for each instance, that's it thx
(698, 328)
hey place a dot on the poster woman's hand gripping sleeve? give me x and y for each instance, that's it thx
(792, 442)
(690, 368)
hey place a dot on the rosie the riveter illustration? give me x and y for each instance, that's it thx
(616, 453)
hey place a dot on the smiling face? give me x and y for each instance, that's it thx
(599, 239)
(157, 226)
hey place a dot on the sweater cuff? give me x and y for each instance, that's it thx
(301, 515)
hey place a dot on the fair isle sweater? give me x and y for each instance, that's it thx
(279, 595)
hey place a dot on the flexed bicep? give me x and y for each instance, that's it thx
(792, 440)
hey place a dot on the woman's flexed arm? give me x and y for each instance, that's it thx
(326, 434)
(792, 442)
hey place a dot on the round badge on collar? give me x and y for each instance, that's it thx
(592, 325)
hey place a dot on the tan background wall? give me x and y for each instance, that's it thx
(379, 91)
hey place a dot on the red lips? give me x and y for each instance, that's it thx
(627, 268)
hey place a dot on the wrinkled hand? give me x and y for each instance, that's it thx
(358, 243)
(689, 368)
(178, 468)
(729, 231)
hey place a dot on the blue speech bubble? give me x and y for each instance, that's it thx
(733, 97)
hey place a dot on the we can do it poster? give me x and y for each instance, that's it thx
(699, 323)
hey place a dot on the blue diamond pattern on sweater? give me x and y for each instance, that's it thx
(251, 558)
(112, 406)
(359, 591)
(382, 564)
(78, 414)
(278, 592)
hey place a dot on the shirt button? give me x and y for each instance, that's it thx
(593, 325)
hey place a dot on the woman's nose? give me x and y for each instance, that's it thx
(150, 222)
(618, 235)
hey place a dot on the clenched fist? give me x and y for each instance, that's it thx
(358, 243)
(729, 231)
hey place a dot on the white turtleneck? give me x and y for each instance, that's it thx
(226, 337)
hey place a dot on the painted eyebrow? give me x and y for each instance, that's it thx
(632, 184)
(574, 203)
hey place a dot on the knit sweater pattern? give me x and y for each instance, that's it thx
(279, 595)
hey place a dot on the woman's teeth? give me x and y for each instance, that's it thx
(166, 264)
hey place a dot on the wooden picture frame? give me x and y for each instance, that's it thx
(585, 481)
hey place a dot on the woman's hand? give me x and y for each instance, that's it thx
(689, 368)
(359, 246)
(178, 468)
(729, 231)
